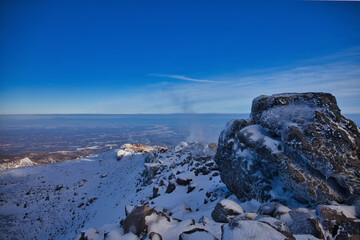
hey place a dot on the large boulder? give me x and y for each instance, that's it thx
(299, 141)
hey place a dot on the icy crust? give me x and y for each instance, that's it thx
(300, 137)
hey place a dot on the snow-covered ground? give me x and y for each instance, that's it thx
(61, 200)
(56, 201)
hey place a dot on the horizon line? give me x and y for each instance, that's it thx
(174, 113)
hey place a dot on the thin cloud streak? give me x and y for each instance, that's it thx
(339, 76)
(180, 77)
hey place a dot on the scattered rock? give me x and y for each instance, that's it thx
(238, 229)
(155, 192)
(307, 226)
(335, 221)
(135, 222)
(170, 188)
(273, 209)
(275, 223)
(183, 181)
(155, 236)
(225, 211)
(197, 234)
(204, 170)
(246, 216)
(191, 188)
(128, 209)
(357, 208)
(151, 169)
(58, 187)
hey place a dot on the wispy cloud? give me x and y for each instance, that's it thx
(338, 74)
(180, 77)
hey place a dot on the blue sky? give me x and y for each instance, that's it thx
(174, 56)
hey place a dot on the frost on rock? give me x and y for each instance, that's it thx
(298, 140)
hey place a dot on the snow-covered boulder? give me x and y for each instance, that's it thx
(339, 219)
(243, 230)
(294, 145)
(197, 234)
(273, 209)
(140, 218)
(226, 210)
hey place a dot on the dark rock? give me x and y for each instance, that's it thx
(238, 229)
(191, 188)
(162, 183)
(213, 198)
(225, 211)
(170, 188)
(183, 182)
(246, 216)
(307, 226)
(267, 209)
(357, 208)
(152, 169)
(275, 223)
(155, 192)
(273, 209)
(128, 209)
(301, 138)
(58, 187)
(155, 236)
(204, 170)
(196, 234)
(213, 146)
(135, 221)
(336, 222)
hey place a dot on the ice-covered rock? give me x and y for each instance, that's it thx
(300, 138)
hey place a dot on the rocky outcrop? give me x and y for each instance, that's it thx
(296, 145)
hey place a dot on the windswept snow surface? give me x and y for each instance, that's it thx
(54, 201)
(57, 201)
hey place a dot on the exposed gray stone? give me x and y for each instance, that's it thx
(300, 138)
(225, 211)
(197, 234)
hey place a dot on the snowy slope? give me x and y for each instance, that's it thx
(55, 200)
(58, 200)
(62, 200)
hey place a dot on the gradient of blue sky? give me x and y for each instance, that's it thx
(174, 56)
